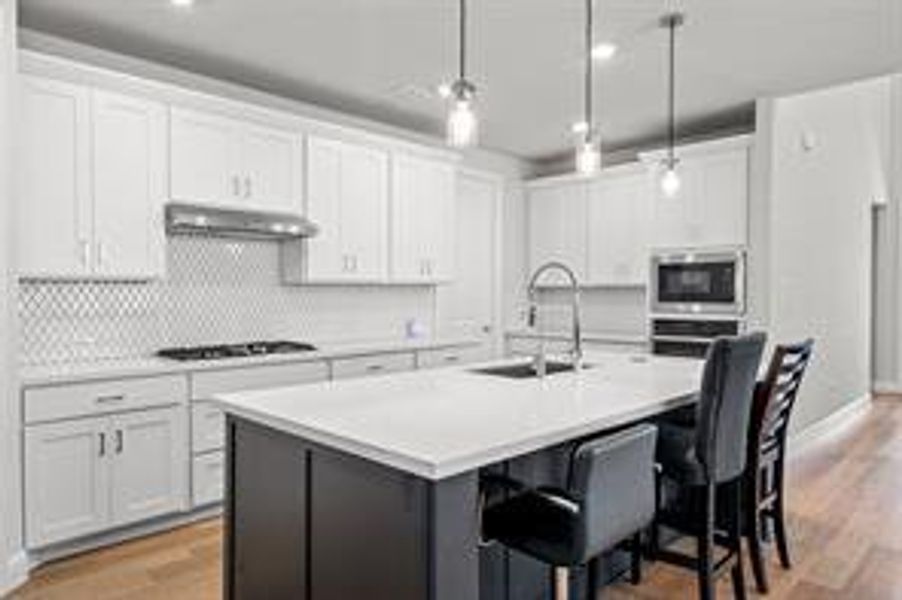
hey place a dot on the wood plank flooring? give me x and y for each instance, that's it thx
(845, 504)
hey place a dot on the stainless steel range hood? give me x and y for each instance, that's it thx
(195, 219)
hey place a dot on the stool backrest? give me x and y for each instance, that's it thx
(612, 478)
(775, 397)
(725, 405)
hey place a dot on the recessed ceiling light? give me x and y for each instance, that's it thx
(579, 128)
(182, 3)
(604, 51)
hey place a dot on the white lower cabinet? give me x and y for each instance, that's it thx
(66, 480)
(448, 357)
(150, 465)
(379, 364)
(208, 478)
(87, 475)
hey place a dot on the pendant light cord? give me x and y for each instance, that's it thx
(671, 102)
(588, 74)
(463, 39)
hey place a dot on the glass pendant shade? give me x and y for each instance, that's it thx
(462, 125)
(588, 157)
(670, 181)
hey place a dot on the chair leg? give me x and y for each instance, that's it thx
(592, 579)
(560, 583)
(636, 559)
(779, 520)
(654, 538)
(705, 573)
(753, 532)
(738, 574)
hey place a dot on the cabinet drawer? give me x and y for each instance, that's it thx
(446, 357)
(377, 364)
(208, 477)
(207, 384)
(85, 399)
(207, 427)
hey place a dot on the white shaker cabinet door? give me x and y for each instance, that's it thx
(618, 217)
(347, 197)
(203, 157)
(270, 169)
(150, 465)
(557, 229)
(364, 218)
(422, 220)
(66, 480)
(54, 203)
(129, 186)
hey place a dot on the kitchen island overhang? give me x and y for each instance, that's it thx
(371, 486)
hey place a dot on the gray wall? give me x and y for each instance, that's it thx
(887, 331)
(9, 498)
(822, 157)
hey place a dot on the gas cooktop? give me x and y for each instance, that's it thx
(223, 351)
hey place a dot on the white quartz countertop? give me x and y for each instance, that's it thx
(148, 367)
(439, 423)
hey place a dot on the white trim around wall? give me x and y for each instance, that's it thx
(830, 427)
(887, 387)
(17, 568)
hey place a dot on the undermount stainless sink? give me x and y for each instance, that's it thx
(525, 370)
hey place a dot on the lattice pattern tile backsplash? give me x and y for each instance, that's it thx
(216, 291)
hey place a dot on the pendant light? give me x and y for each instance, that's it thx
(588, 148)
(462, 125)
(670, 179)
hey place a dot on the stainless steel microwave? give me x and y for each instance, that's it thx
(698, 282)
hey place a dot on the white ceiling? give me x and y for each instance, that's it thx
(383, 58)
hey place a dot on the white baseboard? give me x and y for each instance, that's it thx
(16, 574)
(35, 558)
(887, 387)
(829, 427)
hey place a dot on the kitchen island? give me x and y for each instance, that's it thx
(369, 488)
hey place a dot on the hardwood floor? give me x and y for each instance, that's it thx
(845, 504)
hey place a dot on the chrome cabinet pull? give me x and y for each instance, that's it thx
(374, 368)
(85, 252)
(101, 253)
(236, 186)
(102, 437)
(120, 441)
(248, 190)
(111, 399)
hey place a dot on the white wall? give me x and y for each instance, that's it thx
(887, 331)
(10, 542)
(825, 158)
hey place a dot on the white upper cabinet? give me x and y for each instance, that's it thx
(271, 162)
(91, 183)
(422, 226)
(557, 228)
(129, 176)
(711, 208)
(233, 164)
(347, 197)
(203, 158)
(54, 190)
(619, 215)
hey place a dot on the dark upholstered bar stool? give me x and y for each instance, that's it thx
(609, 499)
(700, 459)
(774, 399)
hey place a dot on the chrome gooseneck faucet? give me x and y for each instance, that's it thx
(576, 351)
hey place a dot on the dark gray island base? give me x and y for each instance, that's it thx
(306, 522)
